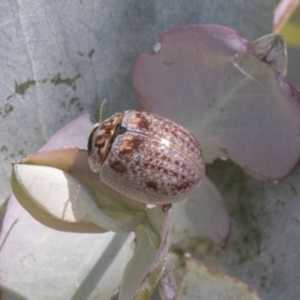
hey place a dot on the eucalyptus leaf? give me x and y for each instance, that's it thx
(42, 263)
(229, 92)
(204, 214)
(144, 270)
(59, 59)
(263, 248)
(200, 283)
(67, 199)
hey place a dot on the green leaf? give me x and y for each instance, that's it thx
(263, 248)
(202, 284)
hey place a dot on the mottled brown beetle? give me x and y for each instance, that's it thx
(146, 157)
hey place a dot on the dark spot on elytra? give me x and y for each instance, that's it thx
(175, 134)
(143, 123)
(164, 157)
(182, 186)
(130, 145)
(117, 166)
(135, 144)
(151, 185)
(125, 151)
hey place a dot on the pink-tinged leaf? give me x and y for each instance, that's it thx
(75, 133)
(167, 285)
(144, 270)
(204, 214)
(229, 92)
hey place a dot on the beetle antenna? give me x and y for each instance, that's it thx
(101, 110)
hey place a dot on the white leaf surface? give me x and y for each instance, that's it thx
(55, 191)
(41, 263)
(66, 198)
